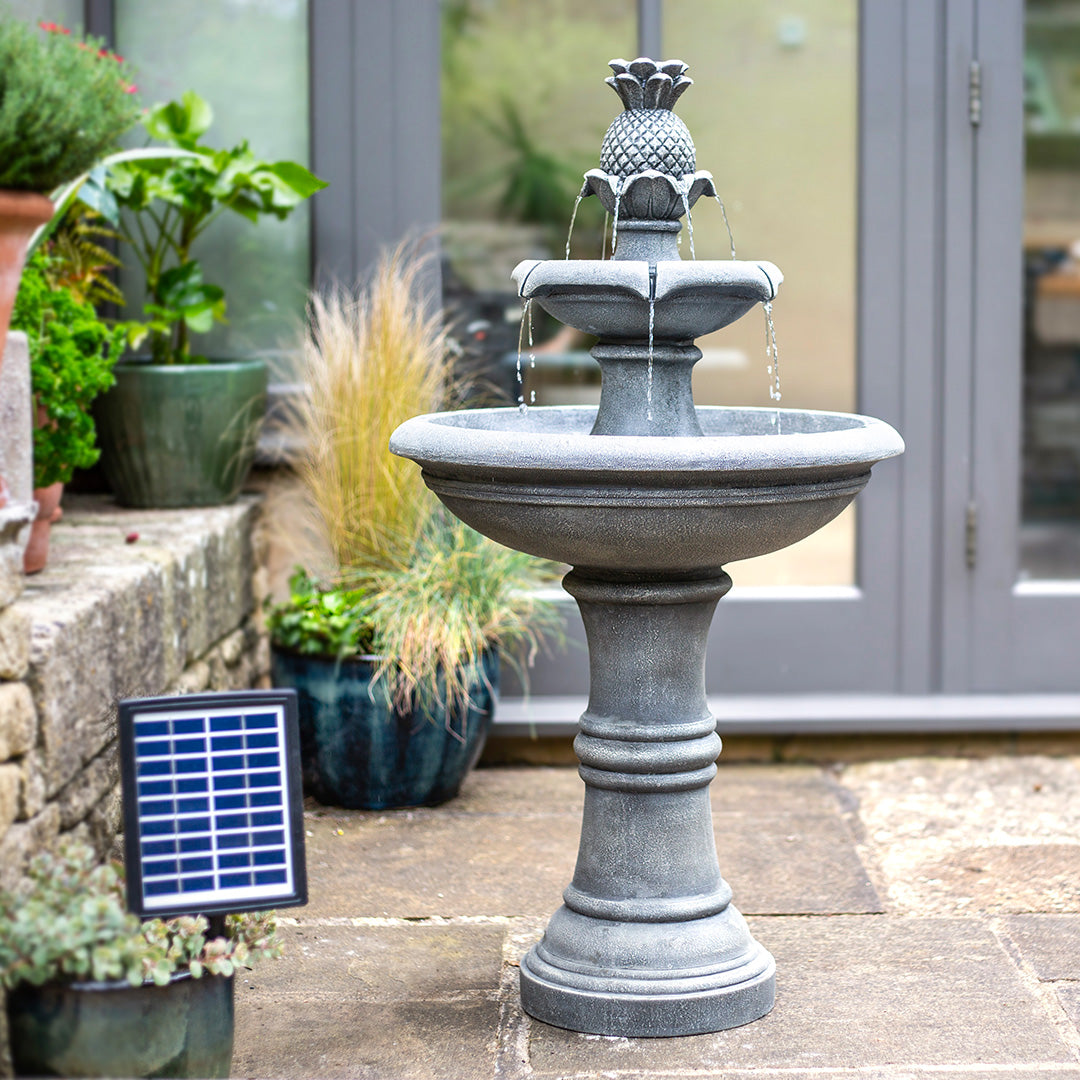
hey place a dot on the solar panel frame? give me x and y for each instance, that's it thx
(173, 759)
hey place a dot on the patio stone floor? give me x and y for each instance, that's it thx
(924, 914)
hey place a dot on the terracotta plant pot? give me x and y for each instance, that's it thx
(21, 212)
(49, 512)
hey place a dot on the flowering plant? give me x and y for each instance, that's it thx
(68, 922)
(173, 200)
(64, 101)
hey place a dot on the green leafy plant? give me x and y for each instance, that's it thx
(72, 353)
(67, 921)
(398, 578)
(173, 201)
(64, 101)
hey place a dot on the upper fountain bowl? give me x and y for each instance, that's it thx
(756, 481)
(611, 299)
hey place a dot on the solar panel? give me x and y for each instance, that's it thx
(213, 804)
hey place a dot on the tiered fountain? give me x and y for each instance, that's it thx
(647, 497)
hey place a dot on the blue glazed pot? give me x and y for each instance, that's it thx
(114, 1029)
(360, 752)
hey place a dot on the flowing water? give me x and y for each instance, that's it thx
(727, 224)
(773, 358)
(689, 220)
(615, 220)
(573, 218)
(526, 317)
(648, 393)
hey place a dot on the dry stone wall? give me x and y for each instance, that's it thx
(131, 603)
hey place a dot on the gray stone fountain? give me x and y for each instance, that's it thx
(647, 497)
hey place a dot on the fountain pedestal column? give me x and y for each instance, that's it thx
(647, 941)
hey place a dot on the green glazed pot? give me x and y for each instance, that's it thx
(180, 434)
(115, 1029)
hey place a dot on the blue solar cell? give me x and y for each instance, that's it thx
(149, 807)
(161, 888)
(188, 726)
(226, 723)
(268, 838)
(273, 857)
(192, 806)
(154, 749)
(264, 779)
(155, 787)
(233, 860)
(190, 765)
(153, 867)
(195, 824)
(158, 847)
(262, 720)
(155, 768)
(260, 740)
(192, 783)
(194, 843)
(265, 798)
(190, 746)
(268, 817)
(229, 802)
(270, 877)
(235, 881)
(227, 742)
(236, 840)
(196, 864)
(197, 884)
(228, 761)
(262, 761)
(145, 728)
(232, 821)
(155, 828)
(228, 783)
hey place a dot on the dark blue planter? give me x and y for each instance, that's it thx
(114, 1029)
(361, 753)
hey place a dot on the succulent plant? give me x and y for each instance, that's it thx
(68, 922)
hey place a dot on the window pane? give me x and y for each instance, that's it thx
(1050, 528)
(249, 59)
(524, 110)
(773, 112)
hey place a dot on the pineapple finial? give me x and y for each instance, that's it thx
(646, 84)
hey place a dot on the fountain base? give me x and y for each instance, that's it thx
(647, 941)
(733, 983)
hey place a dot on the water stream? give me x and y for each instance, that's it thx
(727, 225)
(689, 220)
(615, 219)
(526, 317)
(648, 392)
(773, 358)
(573, 218)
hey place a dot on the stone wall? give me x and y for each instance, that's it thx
(132, 603)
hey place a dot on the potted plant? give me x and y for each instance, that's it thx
(93, 991)
(71, 357)
(178, 429)
(64, 101)
(393, 640)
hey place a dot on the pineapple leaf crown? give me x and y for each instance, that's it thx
(646, 84)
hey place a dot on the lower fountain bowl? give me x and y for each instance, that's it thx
(757, 481)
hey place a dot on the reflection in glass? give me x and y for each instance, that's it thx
(1050, 528)
(249, 59)
(773, 113)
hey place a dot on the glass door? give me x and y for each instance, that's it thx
(1023, 529)
(787, 113)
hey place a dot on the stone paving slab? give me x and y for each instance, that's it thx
(360, 1040)
(1049, 943)
(955, 836)
(1069, 996)
(852, 992)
